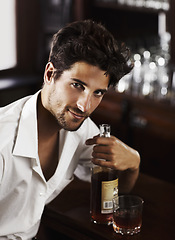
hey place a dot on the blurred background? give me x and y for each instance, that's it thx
(141, 109)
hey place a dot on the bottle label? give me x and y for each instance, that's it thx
(109, 190)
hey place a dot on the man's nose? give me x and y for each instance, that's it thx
(84, 103)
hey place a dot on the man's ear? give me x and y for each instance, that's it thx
(48, 73)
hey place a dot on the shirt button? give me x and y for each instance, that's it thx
(41, 194)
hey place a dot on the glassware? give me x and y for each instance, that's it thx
(104, 186)
(127, 214)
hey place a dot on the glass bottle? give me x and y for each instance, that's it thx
(104, 187)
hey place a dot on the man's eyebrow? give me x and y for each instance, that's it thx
(79, 81)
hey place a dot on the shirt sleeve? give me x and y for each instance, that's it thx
(83, 170)
(1, 168)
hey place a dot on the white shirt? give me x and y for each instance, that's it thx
(23, 188)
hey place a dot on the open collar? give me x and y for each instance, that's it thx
(26, 144)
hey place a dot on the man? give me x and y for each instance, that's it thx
(47, 138)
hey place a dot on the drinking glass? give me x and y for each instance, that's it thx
(127, 214)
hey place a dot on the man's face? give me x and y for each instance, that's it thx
(75, 95)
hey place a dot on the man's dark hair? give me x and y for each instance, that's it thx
(92, 43)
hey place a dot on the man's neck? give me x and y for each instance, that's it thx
(47, 124)
(48, 140)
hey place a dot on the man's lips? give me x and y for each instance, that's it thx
(77, 115)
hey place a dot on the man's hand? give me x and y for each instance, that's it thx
(118, 155)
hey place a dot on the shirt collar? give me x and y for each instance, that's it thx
(26, 144)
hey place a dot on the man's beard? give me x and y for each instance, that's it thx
(61, 116)
(61, 119)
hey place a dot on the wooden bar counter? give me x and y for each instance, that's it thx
(67, 217)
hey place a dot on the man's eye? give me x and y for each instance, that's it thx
(77, 85)
(99, 93)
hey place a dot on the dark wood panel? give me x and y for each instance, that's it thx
(67, 217)
(28, 28)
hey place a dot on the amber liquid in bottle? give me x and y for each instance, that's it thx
(104, 186)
